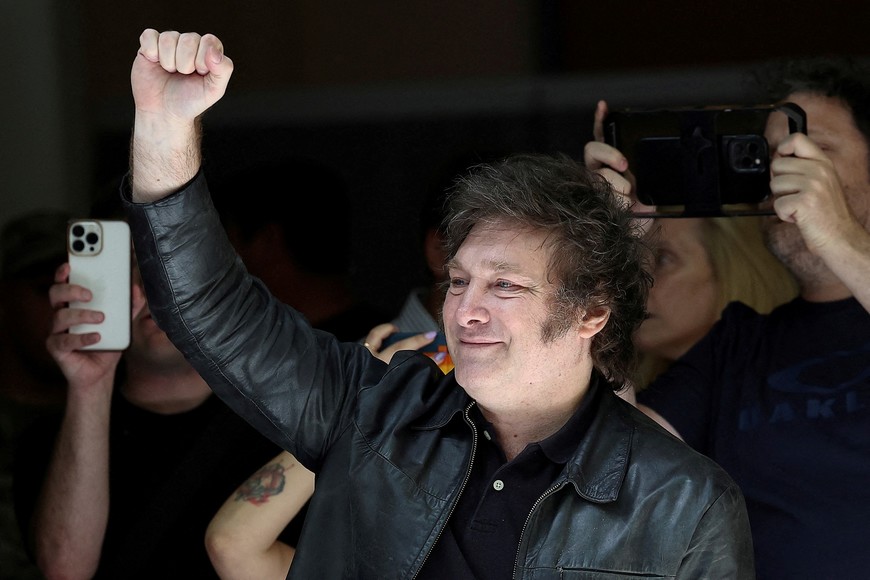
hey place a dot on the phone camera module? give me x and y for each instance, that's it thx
(748, 154)
(85, 238)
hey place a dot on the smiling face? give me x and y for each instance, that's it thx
(495, 315)
(682, 303)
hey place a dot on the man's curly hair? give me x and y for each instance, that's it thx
(599, 259)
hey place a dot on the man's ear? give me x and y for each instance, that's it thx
(593, 321)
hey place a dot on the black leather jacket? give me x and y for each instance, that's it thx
(632, 502)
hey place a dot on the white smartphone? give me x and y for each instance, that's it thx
(100, 256)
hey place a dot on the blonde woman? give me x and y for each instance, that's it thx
(702, 264)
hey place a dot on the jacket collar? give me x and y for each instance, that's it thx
(597, 468)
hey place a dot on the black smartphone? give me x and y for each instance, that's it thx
(699, 161)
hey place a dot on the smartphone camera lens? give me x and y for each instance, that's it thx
(85, 238)
(748, 154)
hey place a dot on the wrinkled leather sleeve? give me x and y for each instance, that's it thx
(722, 543)
(260, 356)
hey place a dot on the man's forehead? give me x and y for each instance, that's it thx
(825, 115)
(509, 235)
(501, 248)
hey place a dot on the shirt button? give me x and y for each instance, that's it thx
(498, 485)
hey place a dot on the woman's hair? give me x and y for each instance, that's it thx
(744, 270)
(598, 257)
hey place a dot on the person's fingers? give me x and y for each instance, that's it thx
(804, 179)
(220, 71)
(58, 293)
(387, 353)
(62, 272)
(618, 182)
(801, 146)
(598, 122)
(148, 42)
(414, 342)
(61, 340)
(65, 318)
(61, 293)
(67, 342)
(786, 183)
(792, 174)
(376, 336)
(186, 50)
(210, 57)
(167, 42)
(375, 339)
(597, 155)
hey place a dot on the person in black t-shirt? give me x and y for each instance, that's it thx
(124, 484)
(783, 401)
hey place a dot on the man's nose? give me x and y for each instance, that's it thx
(472, 306)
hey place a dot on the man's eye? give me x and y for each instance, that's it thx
(457, 283)
(505, 285)
(664, 259)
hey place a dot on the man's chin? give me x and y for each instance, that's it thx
(782, 238)
(472, 376)
(788, 246)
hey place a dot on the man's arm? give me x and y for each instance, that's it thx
(242, 538)
(69, 522)
(231, 329)
(175, 78)
(708, 556)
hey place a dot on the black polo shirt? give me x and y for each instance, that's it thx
(482, 536)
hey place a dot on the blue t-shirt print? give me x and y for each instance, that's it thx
(824, 387)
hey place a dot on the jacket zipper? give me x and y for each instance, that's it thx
(537, 503)
(461, 488)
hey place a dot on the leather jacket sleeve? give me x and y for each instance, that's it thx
(709, 555)
(260, 356)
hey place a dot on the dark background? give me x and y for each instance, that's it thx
(391, 91)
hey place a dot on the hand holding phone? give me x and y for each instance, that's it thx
(99, 254)
(706, 161)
